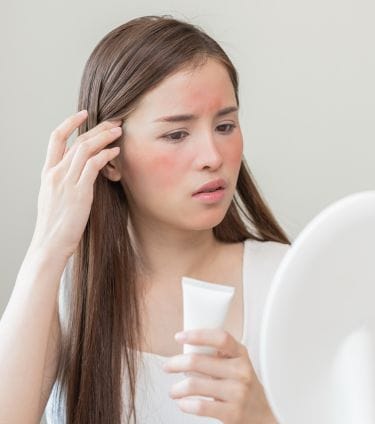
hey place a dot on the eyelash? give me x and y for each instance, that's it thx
(176, 140)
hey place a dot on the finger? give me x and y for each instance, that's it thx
(94, 165)
(225, 390)
(208, 408)
(222, 340)
(87, 149)
(106, 125)
(103, 126)
(223, 368)
(59, 136)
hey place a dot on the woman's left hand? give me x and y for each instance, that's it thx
(238, 395)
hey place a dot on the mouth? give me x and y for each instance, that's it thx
(210, 196)
(212, 186)
(209, 191)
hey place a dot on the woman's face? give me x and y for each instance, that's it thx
(162, 163)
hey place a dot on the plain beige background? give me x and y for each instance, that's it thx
(307, 95)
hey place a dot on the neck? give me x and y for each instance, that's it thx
(167, 254)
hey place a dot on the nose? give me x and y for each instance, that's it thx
(208, 154)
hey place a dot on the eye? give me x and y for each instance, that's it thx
(231, 127)
(172, 137)
(175, 136)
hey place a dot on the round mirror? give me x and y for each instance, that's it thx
(317, 340)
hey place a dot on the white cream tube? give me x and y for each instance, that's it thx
(205, 306)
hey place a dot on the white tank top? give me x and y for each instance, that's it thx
(153, 404)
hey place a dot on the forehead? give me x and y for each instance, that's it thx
(204, 88)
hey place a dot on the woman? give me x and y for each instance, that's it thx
(120, 221)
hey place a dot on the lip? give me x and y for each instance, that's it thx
(210, 197)
(211, 185)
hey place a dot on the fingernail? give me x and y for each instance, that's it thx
(82, 113)
(117, 122)
(181, 336)
(115, 130)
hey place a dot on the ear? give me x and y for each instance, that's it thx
(112, 170)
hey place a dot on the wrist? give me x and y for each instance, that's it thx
(46, 253)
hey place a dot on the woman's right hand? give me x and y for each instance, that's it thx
(67, 182)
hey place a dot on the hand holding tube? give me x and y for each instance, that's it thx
(238, 395)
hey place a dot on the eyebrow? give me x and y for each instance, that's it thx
(190, 117)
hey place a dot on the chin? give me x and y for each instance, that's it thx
(207, 222)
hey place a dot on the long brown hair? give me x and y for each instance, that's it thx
(103, 332)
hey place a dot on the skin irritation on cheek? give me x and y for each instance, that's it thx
(159, 167)
(234, 154)
(166, 167)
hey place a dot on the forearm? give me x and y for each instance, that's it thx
(24, 331)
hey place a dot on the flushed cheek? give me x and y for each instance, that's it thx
(167, 170)
(233, 154)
